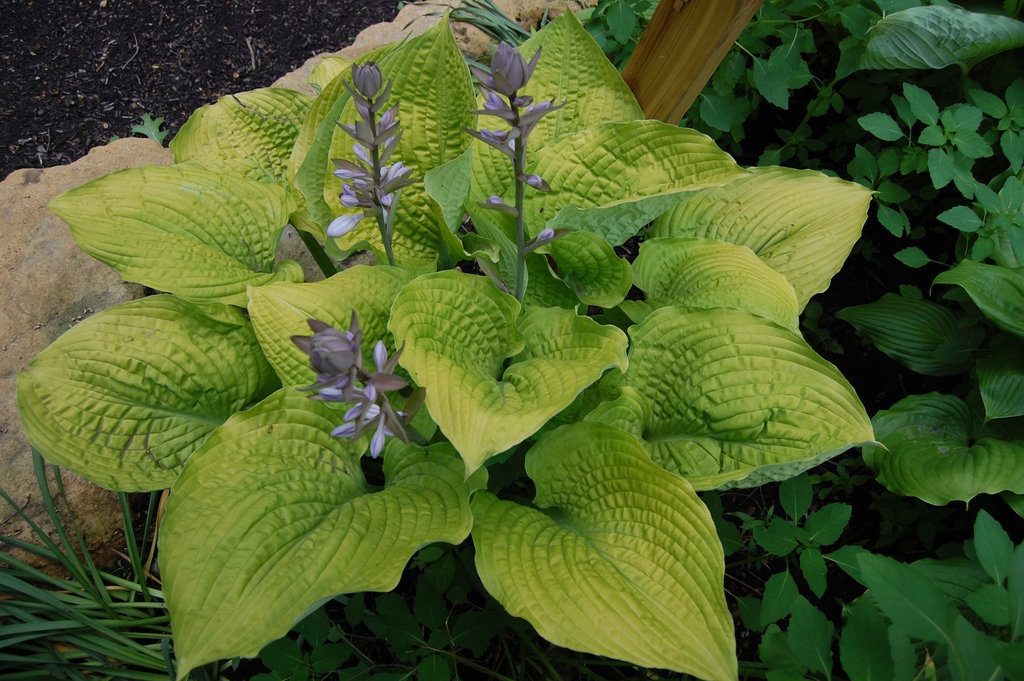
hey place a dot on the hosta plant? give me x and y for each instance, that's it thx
(609, 413)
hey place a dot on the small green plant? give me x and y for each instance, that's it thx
(616, 26)
(151, 128)
(89, 624)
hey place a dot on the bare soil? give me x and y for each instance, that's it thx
(75, 73)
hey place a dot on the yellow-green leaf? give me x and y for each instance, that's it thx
(625, 562)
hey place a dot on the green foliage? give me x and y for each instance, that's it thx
(88, 623)
(567, 449)
(616, 26)
(151, 128)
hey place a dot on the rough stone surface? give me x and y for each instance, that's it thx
(47, 285)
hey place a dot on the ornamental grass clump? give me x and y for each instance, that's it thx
(613, 420)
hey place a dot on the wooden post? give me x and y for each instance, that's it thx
(680, 50)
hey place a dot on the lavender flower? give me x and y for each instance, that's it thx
(368, 183)
(336, 358)
(510, 73)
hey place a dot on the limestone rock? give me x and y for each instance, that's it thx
(47, 285)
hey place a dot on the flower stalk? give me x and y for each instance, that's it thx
(369, 183)
(510, 72)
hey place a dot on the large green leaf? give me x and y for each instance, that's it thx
(432, 85)
(201, 234)
(614, 178)
(493, 377)
(572, 71)
(304, 525)
(250, 133)
(927, 337)
(1001, 378)
(588, 265)
(936, 450)
(802, 223)
(280, 311)
(998, 291)
(738, 399)
(938, 36)
(623, 562)
(126, 396)
(704, 273)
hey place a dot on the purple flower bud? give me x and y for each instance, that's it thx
(509, 69)
(347, 174)
(367, 79)
(377, 442)
(348, 196)
(360, 151)
(347, 429)
(545, 235)
(343, 224)
(494, 137)
(494, 102)
(536, 181)
(380, 355)
(369, 391)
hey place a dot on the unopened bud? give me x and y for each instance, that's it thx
(367, 79)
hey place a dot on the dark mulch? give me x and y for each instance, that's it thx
(76, 73)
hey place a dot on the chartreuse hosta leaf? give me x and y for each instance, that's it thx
(304, 525)
(572, 70)
(589, 266)
(126, 396)
(998, 291)
(201, 234)
(927, 337)
(432, 85)
(704, 273)
(936, 450)
(248, 134)
(280, 311)
(937, 37)
(615, 177)
(493, 377)
(327, 69)
(802, 223)
(738, 399)
(623, 561)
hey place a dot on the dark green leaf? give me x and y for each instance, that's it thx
(972, 654)
(921, 103)
(813, 567)
(283, 655)
(314, 628)
(429, 605)
(775, 652)
(993, 547)
(882, 126)
(779, 592)
(433, 668)
(475, 629)
(779, 538)
(992, 603)
(810, 637)
(912, 602)
(912, 256)
(795, 495)
(864, 649)
(962, 218)
(328, 657)
(895, 221)
(621, 21)
(826, 524)
(1015, 586)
